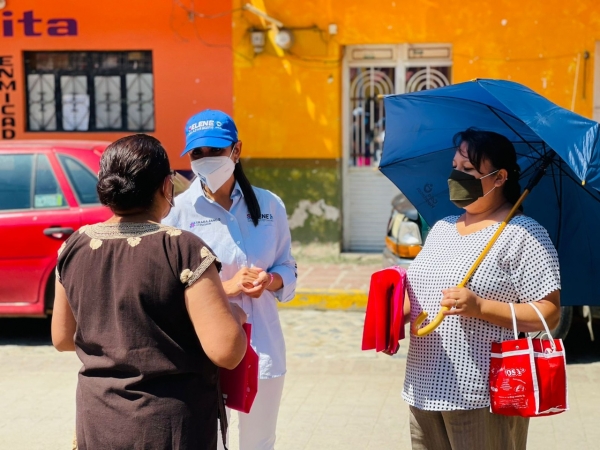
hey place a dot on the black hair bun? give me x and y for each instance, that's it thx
(116, 191)
(132, 169)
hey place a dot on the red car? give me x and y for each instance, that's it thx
(47, 191)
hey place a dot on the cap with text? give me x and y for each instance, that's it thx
(209, 128)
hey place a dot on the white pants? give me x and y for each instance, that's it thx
(257, 428)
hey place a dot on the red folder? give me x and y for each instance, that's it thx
(240, 385)
(384, 320)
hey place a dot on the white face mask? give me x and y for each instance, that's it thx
(214, 171)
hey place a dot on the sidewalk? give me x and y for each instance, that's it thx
(336, 397)
(329, 280)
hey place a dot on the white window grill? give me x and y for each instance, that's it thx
(367, 86)
(90, 91)
(378, 70)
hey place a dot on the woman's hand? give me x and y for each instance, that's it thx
(242, 281)
(462, 302)
(258, 285)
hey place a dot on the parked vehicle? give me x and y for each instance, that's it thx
(406, 234)
(47, 192)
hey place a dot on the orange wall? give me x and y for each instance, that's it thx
(189, 75)
(293, 108)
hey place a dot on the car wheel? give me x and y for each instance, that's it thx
(562, 329)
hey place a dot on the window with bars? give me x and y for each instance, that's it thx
(89, 91)
(377, 71)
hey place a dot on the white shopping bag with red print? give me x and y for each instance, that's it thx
(528, 377)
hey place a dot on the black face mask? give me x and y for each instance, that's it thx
(465, 188)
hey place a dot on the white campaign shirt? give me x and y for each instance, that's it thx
(449, 368)
(237, 243)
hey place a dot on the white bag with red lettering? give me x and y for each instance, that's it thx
(528, 377)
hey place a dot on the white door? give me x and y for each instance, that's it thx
(371, 72)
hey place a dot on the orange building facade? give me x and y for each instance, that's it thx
(308, 110)
(99, 71)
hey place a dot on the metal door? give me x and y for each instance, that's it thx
(371, 72)
(369, 193)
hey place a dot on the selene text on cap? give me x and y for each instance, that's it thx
(209, 128)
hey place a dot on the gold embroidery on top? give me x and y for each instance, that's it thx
(95, 243)
(133, 241)
(185, 275)
(206, 262)
(132, 231)
(127, 230)
(205, 252)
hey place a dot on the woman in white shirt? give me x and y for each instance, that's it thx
(247, 229)
(447, 372)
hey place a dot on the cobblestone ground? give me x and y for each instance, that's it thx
(335, 397)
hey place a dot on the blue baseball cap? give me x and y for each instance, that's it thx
(209, 128)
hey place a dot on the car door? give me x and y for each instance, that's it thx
(83, 183)
(35, 218)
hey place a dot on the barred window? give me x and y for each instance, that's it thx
(89, 91)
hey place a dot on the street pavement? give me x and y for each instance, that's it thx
(335, 397)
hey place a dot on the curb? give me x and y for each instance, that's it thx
(328, 299)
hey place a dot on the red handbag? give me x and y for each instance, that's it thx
(384, 320)
(528, 377)
(240, 385)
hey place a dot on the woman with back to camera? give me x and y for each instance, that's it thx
(447, 372)
(143, 306)
(247, 228)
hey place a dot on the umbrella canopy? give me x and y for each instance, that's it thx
(418, 152)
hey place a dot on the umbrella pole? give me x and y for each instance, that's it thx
(437, 320)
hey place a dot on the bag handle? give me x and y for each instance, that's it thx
(535, 308)
(514, 318)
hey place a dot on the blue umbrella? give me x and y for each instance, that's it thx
(418, 152)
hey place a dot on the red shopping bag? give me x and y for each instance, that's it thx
(528, 377)
(240, 385)
(384, 320)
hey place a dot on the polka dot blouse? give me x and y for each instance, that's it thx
(448, 369)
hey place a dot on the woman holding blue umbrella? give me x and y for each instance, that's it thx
(446, 382)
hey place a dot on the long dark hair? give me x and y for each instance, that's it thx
(131, 170)
(249, 195)
(499, 151)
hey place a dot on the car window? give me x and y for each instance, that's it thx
(15, 181)
(47, 193)
(82, 179)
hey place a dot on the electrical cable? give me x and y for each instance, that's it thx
(205, 16)
(314, 60)
(303, 64)
(191, 11)
(197, 33)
